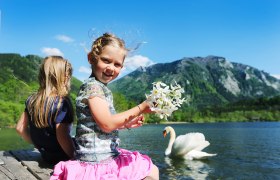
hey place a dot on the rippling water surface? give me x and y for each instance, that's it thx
(244, 150)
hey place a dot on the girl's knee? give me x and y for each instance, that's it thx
(154, 173)
(156, 169)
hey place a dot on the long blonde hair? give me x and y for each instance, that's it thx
(54, 82)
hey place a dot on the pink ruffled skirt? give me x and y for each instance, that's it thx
(127, 166)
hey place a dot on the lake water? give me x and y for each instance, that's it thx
(244, 150)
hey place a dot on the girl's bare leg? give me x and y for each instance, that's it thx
(154, 174)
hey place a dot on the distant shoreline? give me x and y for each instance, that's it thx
(173, 122)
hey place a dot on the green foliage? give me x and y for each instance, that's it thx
(9, 113)
(262, 109)
(75, 85)
(121, 103)
(18, 80)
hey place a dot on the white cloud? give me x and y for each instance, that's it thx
(51, 51)
(64, 38)
(133, 62)
(84, 69)
(276, 76)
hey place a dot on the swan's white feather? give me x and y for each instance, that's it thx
(188, 146)
(185, 143)
(194, 154)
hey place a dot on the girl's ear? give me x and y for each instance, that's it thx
(90, 58)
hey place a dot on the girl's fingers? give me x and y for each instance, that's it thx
(136, 122)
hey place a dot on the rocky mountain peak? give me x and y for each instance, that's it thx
(209, 80)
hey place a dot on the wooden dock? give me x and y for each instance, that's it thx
(23, 165)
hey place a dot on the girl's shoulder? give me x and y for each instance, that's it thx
(27, 101)
(65, 100)
(59, 102)
(93, 85)
(92, 81)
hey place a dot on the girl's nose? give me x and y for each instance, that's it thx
(110, 69)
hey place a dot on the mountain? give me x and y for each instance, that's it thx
(220, 90)
(210, 81)
(18, 79)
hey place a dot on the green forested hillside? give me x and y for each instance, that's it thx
(220, 90)
(18, 79)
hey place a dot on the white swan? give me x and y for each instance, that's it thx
(187, 146)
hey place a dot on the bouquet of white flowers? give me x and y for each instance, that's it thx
(164, 99)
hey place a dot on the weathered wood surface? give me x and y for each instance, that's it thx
(23, 165)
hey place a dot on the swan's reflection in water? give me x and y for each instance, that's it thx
(186, 169)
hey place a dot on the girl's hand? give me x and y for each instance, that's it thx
(135, 123)
(145, 107)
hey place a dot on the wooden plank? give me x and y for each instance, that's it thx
(5, 173)
(1, 162)
(13, 169)
(34, 163)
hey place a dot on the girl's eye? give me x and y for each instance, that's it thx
(105, 60)
(118, 65)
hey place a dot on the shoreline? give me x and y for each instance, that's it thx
(170, 122)
(173, 122)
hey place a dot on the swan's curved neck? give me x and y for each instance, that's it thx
(171, 141)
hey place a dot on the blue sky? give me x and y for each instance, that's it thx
(242, 31)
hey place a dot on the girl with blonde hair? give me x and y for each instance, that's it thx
(97, 134)
(48, 116)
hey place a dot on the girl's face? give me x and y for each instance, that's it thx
(109, 64)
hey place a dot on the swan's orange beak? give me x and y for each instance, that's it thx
(164, 133)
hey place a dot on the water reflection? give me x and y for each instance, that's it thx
(186, 169)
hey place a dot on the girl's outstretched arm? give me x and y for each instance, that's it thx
(108, 122)
(64, 138)
(134, 123)
(23, 129)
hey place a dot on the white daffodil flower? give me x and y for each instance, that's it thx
(165, 99)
